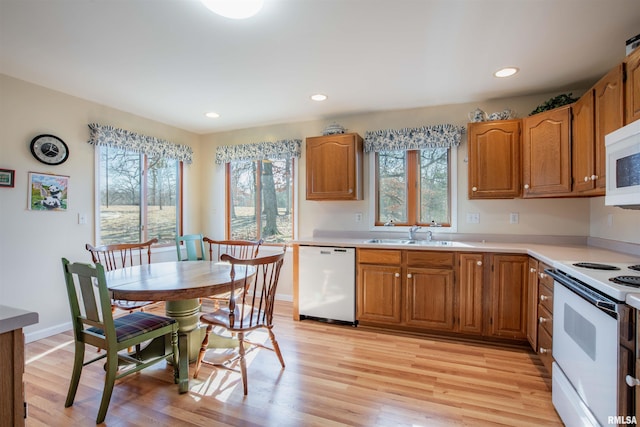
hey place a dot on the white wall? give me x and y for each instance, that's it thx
(33, 242)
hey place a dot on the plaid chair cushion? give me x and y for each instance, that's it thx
(137, 323)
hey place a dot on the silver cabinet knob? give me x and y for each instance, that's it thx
(526, 186)
(544, 350)
(543, 319)
(409, 276)
(397, 274)
(594, 177)
(543, 297)
(542, 275)
(586, 179)
(532, 270)
(631, 381)
(474, 188)
(479, 263)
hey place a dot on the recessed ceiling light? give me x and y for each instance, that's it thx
(506, 72)
(234, 9)
(212, 115)
(318, 97)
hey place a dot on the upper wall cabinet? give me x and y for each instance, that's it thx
(546, 153)
(334, 167)
(494, 159)
(598, 112)
(632, 87)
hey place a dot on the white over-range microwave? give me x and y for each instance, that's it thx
(623, 167)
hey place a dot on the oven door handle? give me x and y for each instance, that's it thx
(606, 306)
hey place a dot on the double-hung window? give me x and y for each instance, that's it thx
(139, 185)
(260, 188)
(414, 180)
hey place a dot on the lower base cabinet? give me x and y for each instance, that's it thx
(443, 292)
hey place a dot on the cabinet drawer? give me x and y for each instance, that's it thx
(380, 256)
(545, 319)
(430, 259)
(545, 297)
(545, 279)
(544, 348)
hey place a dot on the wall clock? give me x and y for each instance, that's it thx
(49, 149)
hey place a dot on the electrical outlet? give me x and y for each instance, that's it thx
(473, 218)
(358, 216)
(514, 218)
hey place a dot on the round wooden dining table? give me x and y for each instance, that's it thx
(181, 284)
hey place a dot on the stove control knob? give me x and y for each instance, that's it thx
(631, 381)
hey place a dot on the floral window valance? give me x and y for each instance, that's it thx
(108, 136)
(444, 136)
(283, 149)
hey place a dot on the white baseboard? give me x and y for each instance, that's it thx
(44, 333)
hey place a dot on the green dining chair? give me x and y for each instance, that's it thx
(194, 245)
(93, 324)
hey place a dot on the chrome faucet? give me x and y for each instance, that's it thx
(412, 231)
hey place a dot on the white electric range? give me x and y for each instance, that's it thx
(593, 340)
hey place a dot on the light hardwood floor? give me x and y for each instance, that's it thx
(335, 376)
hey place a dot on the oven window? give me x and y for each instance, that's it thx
(580, 330)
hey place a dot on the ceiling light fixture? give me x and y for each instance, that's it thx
(212, 115)
(234, 9)
(319, 97)
(506, 72)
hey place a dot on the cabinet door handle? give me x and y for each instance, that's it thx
(409, 276)
(543, 319)
(532, 270)
(479, 263)
(526, 186)
(586, 179)
(544, 350)
(542, 275)
(543, 297)
(631, 381)
(474, 188)
(594, 177)
(397, 274)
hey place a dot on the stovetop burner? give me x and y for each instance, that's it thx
(627, 280)
(596, 266)
(635, 267)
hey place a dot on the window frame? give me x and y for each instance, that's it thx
(294, 203)
(143, 196)
(412, 175)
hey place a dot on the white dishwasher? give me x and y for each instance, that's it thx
(327, 284)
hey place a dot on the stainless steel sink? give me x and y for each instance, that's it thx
(410, 242)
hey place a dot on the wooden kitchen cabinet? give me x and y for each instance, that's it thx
(470, 274)
(508, 296)
(632, 87)
(532, 304)
(378, 287)
(494, 159)
(598, 112)
(334, 167)
(546, 153)
(429, 290)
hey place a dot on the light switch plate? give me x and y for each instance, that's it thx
(473, 218)
(514, 218)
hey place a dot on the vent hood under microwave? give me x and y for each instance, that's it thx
(623, 167)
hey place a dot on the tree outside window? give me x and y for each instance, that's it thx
(413, 187)
(260, 202)
(139, 197)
